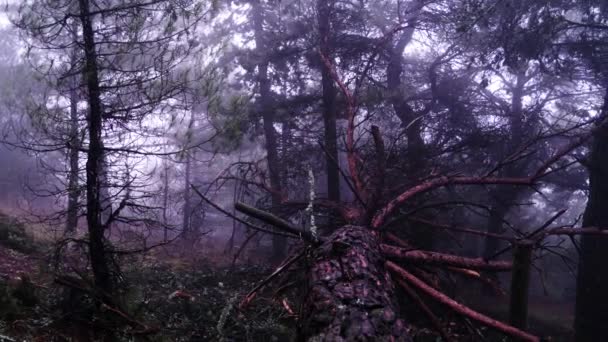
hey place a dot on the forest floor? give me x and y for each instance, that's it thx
(167, 297)
(547, 317)
(170, 300)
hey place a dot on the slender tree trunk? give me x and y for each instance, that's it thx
(405, 113)
(416, 148)
(165, 201)
(592, 280)
(285, 142)
(97, 248)
(187, 218)
(268, 116)
(503, 198)
(324, 9)
(73, 185)
(235, 198)
(498, 211)
(104, 194)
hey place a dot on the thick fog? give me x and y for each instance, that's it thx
(224, 133)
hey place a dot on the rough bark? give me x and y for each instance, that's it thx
(97, 248)
(324, 9)
(349, 294)
(268, 116)
(591, 295)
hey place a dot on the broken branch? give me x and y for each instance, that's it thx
(434, 258)
(274, 221)
(459, 308)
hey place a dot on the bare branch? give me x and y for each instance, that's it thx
(459, 308)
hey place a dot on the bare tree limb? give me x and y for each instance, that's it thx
(275, 221)
(434, 258)
(223, 211)
(459, 308)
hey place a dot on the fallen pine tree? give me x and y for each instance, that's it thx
(350, 286)
(351, 274)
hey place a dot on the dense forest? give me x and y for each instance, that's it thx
(303, 170)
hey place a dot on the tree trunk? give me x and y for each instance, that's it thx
(592, 279)
(278, 242)
(324, 9)
(405, 113)
(105, 196)
(503, 199)
(165, 201)
(498, 211)
(97, 248)
(187, 218)
(73, 187)
(349, 295)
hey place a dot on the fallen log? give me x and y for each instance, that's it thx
(349, 295)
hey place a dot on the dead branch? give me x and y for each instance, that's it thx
(145, 329)
(459, 308)
(398, 241)
(275, 221)
(435, 183)
(248, 224)
(541, 171)
(242, 247)
(342, 173)
(285, 265)
(434, 258)
(425, 308)
(477, 276)
(530, 235)
(436, 225)
(99, 295)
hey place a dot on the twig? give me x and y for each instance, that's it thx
(240, 250)
(344, 175)
(274, 274)
(541, 171)
(530, 235)
(234, 217)
(436, 225)
(383, 214)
